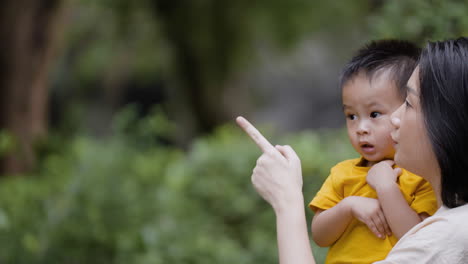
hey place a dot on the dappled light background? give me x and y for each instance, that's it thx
(117, 135)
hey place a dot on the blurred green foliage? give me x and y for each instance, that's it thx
(134, 199)
(420, 20)
(224, 36)
(105, 35)
(7, 142)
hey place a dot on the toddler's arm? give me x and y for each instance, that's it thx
(329, 225)
(400, 216)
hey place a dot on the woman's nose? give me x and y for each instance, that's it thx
(396, 122)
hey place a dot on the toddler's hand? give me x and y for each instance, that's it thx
(368, 211)
(382, 174)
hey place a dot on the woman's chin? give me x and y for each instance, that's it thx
(407, 165)
(398, 161)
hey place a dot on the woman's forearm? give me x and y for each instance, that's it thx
(277, 177)
(293, 238)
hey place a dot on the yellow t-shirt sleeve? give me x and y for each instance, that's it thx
(330, 193)
(424, 199)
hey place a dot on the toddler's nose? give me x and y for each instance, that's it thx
(363, 128)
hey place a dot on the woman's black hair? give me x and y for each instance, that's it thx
(399, 57)
(443, 76)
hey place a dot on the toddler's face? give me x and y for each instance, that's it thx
(368, 105)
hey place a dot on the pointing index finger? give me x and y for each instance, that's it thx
(255, 135)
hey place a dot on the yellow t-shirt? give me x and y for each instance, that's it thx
(358, 244)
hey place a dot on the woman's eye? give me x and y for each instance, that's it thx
(351, 117)
(407, 103)
(374, 114)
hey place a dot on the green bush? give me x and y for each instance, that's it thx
(133, 199)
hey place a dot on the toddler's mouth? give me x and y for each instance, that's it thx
(367, 148)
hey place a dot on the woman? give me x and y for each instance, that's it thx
(431, 140)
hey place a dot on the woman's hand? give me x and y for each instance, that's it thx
(383, 174)
(277, 177)
(368, 211)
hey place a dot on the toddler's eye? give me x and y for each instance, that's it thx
(374, 114)
(351, 117)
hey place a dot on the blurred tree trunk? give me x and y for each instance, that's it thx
(28, 29)
(202, 40)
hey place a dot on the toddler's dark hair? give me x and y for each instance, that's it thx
(400, 57)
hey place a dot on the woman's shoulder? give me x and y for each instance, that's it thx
(455, 218)
(448, 221)
(441, 238)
